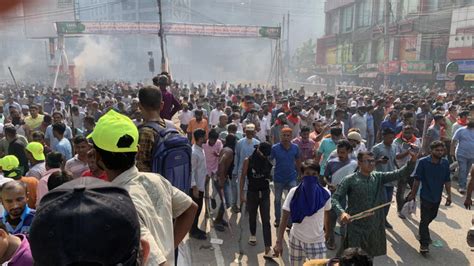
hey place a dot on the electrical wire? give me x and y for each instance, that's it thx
(61, 12)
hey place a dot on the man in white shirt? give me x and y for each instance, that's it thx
(308, 205)
(184, 117)
(77, 118)
(215, 114)
(359, 120)
(265, 127)
(198, 179)
(165, 212)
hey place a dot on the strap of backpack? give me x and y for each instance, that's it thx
(154, 125)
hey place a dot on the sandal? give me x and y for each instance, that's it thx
(330, 245)
(270, 254)
(252, 240)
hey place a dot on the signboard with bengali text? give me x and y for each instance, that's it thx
(421, 67)
(77, 28)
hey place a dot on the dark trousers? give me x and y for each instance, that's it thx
(429, 211)
(401, 188)
(256, 200)
(199, 202)
(184, 128)
(332, 223)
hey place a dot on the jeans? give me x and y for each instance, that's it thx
(235, 190)
(388, 198)
(370, 142)
(199, 202)
(279, 187)
(464, 168)
(256, 200)
(401, 187)
(429, 211)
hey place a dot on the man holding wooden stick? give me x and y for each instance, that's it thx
(365, 190)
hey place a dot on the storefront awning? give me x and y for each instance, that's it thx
(368, 75)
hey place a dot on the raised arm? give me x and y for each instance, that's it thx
(402, 172)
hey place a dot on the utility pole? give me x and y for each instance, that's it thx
(386, 40)
(288, 45)
(161, 35)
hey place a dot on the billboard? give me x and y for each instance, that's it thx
(40, 16)
(87, 27)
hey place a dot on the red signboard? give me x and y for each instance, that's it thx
(460, 53)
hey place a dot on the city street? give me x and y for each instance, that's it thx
(450, 227)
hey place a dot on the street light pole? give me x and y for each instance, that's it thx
(161, 35)
(386, 45)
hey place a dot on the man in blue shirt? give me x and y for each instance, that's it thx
(462, 146)
(243, 149)
(287, 168)
(433, 173)
(63, 146)
(392, 123)
(17, 216)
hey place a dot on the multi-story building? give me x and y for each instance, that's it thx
(460, 68)
(353, 44)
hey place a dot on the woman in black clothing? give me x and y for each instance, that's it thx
(257, 168)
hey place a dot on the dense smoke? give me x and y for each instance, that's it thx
(97, 60)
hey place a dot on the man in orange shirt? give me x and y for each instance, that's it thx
(11, 169)
(197, 122)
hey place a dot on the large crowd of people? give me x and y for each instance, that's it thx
(86, 157)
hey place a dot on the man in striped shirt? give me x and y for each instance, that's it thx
(78, 164)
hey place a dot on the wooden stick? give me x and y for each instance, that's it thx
(368, 212)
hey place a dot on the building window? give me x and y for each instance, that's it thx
(409, 7)
(128, 5)
(332, 23)
(347, 17)
(364, 10)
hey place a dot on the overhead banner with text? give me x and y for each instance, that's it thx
(183, 29)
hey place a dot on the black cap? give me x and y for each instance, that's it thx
(161, 80)
(86, 220)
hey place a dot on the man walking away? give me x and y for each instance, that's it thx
(170, 104)
(166, 213)
(104, 205)
(35, 153)
(150, 102)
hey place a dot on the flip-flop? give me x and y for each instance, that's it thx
(219, 227)
(270, 255)
(252, 240)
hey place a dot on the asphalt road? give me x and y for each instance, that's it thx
(450, 228)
